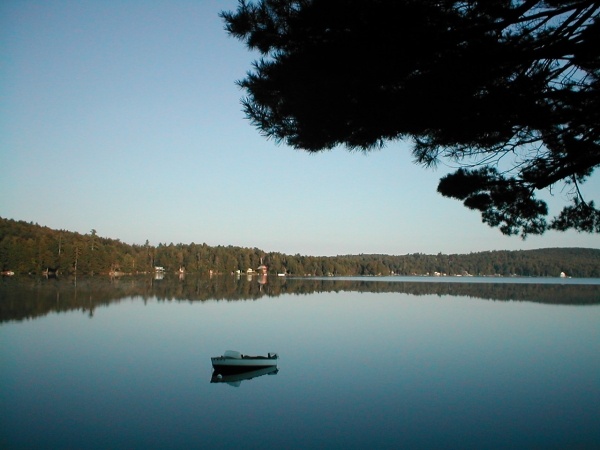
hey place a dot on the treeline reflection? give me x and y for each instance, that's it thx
(28, 298)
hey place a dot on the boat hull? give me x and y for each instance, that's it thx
(229, 365)
(242, 363)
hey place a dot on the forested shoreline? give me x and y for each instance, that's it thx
(28, 248)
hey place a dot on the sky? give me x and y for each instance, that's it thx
(124, 117)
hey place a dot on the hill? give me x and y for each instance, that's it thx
(28, 248)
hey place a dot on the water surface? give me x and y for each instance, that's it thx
(363, 363)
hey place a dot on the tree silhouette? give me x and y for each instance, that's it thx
(508, 90)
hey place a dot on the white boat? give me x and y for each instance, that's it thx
(233, 361)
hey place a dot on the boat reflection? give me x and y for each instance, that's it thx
(234, 378)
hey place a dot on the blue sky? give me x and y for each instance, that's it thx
(124, 117)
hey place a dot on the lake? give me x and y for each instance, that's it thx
(364, 363)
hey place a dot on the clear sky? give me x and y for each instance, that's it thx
(124, 117)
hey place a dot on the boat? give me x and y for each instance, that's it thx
(235, 379)
(233, 361)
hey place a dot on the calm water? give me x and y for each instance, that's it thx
(364, 363)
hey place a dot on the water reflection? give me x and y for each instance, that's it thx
(27, 298)
(236, 378)
(396, 364)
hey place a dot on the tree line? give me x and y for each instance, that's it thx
(28, 248)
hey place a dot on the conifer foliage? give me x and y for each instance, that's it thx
(509, 90)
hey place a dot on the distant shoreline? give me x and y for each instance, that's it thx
(27, 248)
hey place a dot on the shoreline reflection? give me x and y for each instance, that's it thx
(29, 298)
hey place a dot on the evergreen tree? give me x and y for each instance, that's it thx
(508, 89)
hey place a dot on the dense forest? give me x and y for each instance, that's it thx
(28, 248)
